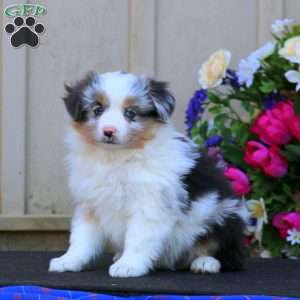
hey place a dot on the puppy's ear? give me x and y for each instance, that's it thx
(162, 100)
(74, 98)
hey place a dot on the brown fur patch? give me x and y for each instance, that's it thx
(204, 247)
(140, 138)
(102, 99)
(85, 132)
(129, 102)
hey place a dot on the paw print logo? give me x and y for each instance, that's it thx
(24, 33)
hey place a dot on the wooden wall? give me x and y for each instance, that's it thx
(165, 38)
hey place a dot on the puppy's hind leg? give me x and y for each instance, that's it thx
(85, 244)
(203, 261)
(223, 249)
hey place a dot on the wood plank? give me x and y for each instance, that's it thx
(267, 12)
(35, 223)
(292, 9)
(93, 36)
(142, 36)
(13, 128)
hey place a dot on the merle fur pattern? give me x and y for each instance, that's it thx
(206, 177)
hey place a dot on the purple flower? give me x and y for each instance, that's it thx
(231, 79)
(195, 109)
(213, 141)
(270, 100)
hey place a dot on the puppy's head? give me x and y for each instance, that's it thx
(118, 109)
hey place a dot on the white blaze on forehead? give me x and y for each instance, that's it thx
(117, 86)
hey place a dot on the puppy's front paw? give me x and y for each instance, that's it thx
(123, 268)
(65, 263)
(205, 264)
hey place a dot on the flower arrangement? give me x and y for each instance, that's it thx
(250, 120)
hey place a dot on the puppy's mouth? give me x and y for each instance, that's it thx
(110, 140)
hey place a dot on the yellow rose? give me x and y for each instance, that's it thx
(291, 50)
(214, 69)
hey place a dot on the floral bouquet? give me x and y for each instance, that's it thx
(250, 120)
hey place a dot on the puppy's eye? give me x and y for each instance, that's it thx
(130, 114)
(98, 110)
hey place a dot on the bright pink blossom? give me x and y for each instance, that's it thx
(269, 160)
(281, 122)
(271, 129)
(284, 221)
(283, 110)
(294, 125)
(239, 181)
(276, 164)
(256, 154)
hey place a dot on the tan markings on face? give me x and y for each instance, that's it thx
(85, 133)
(102, 99)
(140, 138)
(129, 102)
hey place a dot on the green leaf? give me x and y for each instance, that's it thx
(296, 29)
(272, 240)
(234, 155)
(286, 188)
(297, 105)
(293, 149)
(267, 87)
(203, 129)
(213, 97)
(215, 109)
(227, 135)
(219, 120)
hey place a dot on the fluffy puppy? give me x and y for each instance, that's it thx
(141, 189)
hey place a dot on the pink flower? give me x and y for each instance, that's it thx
(269, 160)
(271, 128)
(294, 125)
(284, 110)
(255, 154)
(285, 221)
(239, 181)
(275, 165)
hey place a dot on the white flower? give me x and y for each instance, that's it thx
(246, 70)
(263, 52)
(214, 69)
(291, 50)
(248, 67)
(279, 27)
(293, 77)
(257, 210)
(293, 236)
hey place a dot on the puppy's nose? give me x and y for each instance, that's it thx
(109, 131)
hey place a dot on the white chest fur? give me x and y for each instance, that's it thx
(117, 185)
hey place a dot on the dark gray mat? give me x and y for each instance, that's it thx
(279, 277)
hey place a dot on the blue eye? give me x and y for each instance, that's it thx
(98, 110)
(130, 114)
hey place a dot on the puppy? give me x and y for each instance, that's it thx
(141, 189)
